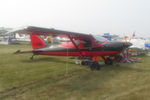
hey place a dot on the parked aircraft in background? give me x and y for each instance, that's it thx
(22, 37)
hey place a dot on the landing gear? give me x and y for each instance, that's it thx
(86, 62)
(108, 61)
(31, 58)
(118, 58)
(94, 65)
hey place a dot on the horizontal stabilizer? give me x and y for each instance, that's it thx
(21, 52)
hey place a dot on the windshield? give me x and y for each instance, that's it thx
(99, 39)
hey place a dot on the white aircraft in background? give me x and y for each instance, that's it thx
(22, 37)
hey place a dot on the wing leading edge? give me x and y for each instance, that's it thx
(45, 31)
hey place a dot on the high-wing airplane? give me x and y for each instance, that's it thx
(84, 46)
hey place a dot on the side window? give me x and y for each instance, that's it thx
(87, 43)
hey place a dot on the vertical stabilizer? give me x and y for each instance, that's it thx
(36, 41)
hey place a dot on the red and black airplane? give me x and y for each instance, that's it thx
(79, 44)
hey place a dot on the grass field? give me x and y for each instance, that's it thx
(58, 78)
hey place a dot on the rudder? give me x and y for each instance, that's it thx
(36, 41)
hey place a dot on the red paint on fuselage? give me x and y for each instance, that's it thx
(87, 54)
(71, 45)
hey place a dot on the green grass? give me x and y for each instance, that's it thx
(58, 78)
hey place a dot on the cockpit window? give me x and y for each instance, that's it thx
(99, 39)
(87, 43)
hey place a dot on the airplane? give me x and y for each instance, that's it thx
(84, 46)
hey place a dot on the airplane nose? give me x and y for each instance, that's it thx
(116, 45)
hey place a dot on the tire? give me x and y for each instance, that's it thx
(83, 63)
(95, 66)
(118, 58)
(109, 61)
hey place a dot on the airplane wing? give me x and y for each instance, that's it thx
(46, 31)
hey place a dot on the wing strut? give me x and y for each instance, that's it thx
(75, 44)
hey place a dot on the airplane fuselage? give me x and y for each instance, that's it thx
(106, 49)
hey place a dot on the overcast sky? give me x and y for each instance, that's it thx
(84, 16)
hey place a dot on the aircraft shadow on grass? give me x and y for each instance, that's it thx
(61, 60)
(127, 68)
(50, 59)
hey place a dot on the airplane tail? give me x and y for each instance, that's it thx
(36, 41)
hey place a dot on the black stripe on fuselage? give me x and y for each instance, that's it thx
(63, 49)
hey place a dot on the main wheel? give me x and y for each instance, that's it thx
(95, 66)
(109, 61)
(82, 62)
(118, 58)
(86, 62)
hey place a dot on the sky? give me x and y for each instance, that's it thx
(122, 17)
